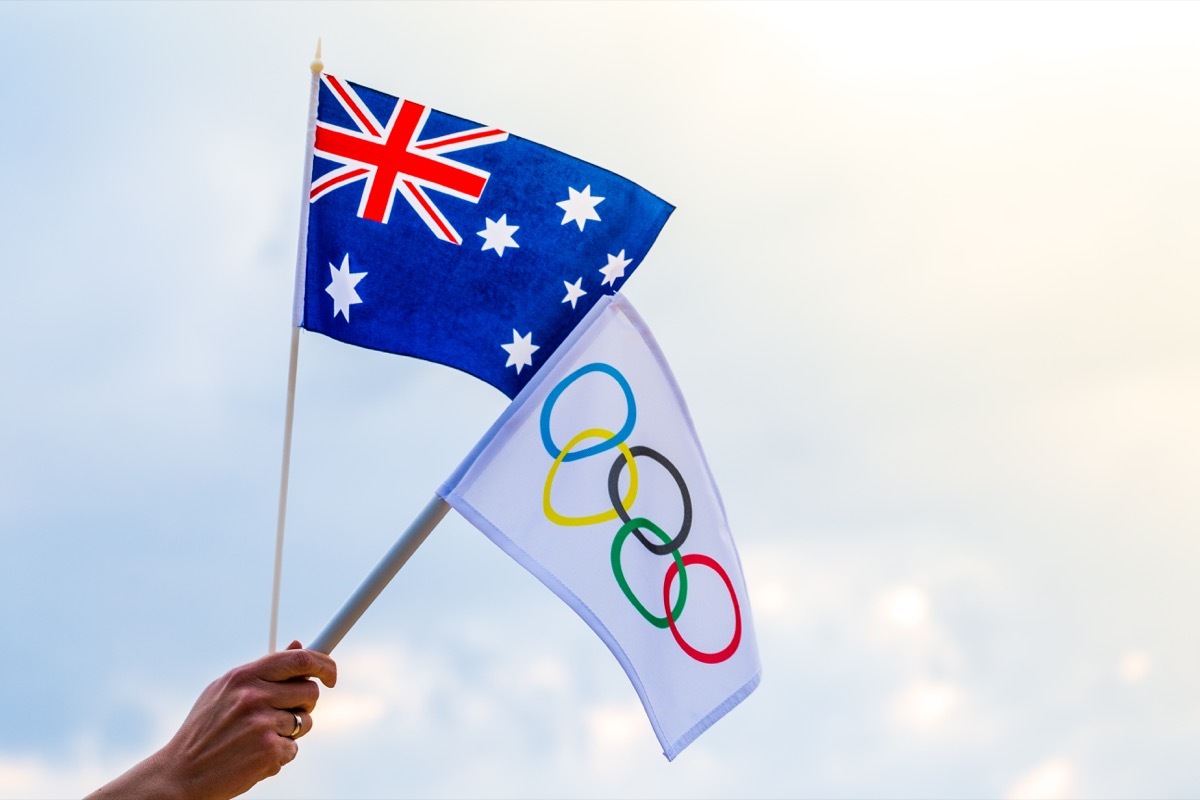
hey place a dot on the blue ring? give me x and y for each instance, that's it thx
(607, 444)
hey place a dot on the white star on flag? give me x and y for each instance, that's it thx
(574, 291)
(580, 206)
(498, 235)
(520, 352)
(341, 289)
(615, 268)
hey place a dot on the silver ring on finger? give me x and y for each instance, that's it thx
(299, 724)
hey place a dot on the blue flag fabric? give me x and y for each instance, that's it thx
(434, 237)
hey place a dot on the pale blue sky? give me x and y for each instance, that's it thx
(938, 334)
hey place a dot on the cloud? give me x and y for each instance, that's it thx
(92, 756)
(925, 706)
(907, 607)
(1135, 666)
(33, 777)
(1050, 780)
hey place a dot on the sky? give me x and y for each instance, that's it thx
(930, 291)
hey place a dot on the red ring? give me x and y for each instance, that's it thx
(731, 648)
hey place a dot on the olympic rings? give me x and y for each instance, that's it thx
(621, 509)
(614, 438)
(603, 516)
(729, 649)
(618, 542)
(614, 474)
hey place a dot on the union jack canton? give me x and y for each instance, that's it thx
(499, 247)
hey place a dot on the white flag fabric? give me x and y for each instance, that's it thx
(594, 480)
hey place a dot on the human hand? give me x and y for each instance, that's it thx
(237, 733)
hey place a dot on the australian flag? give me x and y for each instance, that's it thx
(435, 237)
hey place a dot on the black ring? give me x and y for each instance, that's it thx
(614, 495)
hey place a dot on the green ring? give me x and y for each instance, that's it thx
(618, 542)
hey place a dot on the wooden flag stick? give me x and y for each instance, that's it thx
(297, 316)
(384, 571)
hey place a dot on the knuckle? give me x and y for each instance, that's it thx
(311, 693)
(303, 661)
(246, 699)
(281, 751)
(269, 744)
(264, 721)
(239, 676)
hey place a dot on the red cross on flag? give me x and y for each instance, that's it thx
(390, 159)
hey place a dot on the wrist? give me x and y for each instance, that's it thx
(150, 779)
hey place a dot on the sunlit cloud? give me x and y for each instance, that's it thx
(925, 706)
(74, 775)
(615, 735)
(545, 674)
(615, 727)
(347, 710)
(906, 607)
(378, 681)
(1135, 666)
(772, 599)
(1048, 781)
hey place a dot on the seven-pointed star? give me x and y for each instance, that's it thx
(520, 352)
(574, 291)
(498, 235)
(580, 206)
(615, 268)
(342, 288)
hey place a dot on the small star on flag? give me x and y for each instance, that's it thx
(498, 235)
(615, 269)
(520, 352)
(342, 288)
(580, 206)
(574, 291)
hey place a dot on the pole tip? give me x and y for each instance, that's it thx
(316, 66)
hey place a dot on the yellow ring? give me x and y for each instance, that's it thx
(603, 516)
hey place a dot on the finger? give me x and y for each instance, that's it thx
(299, 693)
(296, 664)
(286, 752)
(294, 723)
(295, 645)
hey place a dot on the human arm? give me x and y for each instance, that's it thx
(237, 733)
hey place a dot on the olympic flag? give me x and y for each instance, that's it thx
(431, 236)
(593, 479)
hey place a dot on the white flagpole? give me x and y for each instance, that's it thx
(297, 315)
(384, 571)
